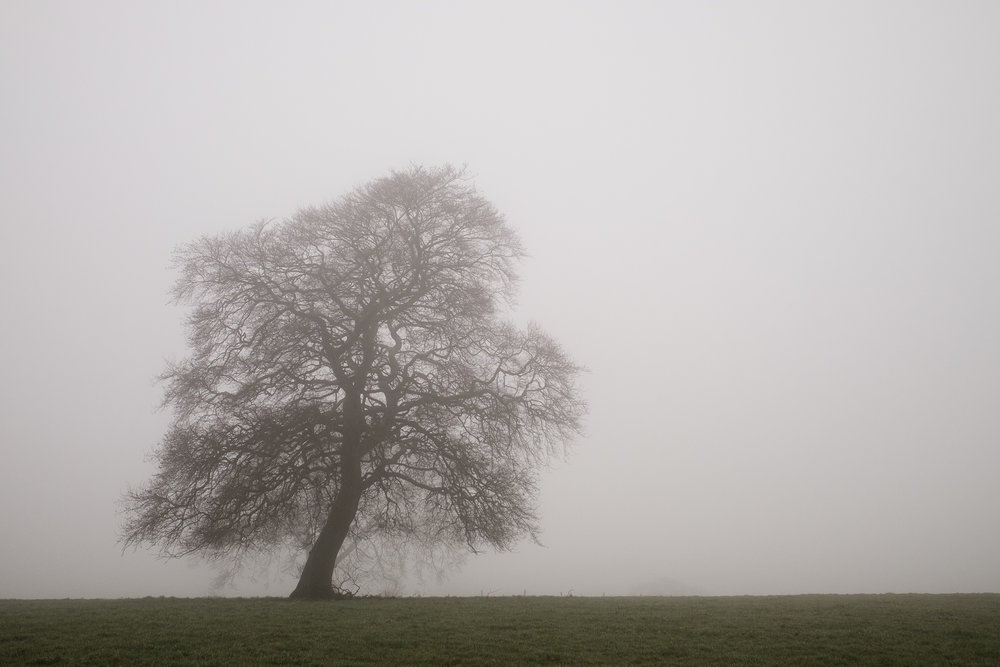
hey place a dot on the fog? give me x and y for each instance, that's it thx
(770, 230)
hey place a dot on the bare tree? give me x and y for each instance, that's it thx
(351, 371)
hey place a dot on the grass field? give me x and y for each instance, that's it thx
(795, 630)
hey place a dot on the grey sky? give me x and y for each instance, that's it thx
(771, 230)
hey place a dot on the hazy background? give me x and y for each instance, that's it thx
(770, 229)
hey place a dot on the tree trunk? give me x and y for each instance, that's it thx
(316, 580)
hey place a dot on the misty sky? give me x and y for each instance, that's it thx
(771, 231)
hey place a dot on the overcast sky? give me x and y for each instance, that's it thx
(771, 230)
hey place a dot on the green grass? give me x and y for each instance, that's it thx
(794, 630)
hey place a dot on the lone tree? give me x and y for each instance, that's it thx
(350, 371)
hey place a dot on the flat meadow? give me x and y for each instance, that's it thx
(778, 630)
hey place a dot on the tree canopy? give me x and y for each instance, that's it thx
(351, 370)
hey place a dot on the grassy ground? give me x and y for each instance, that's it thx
(798, 630)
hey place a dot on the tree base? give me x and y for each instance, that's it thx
(319, 593)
